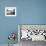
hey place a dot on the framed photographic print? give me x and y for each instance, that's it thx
(10, 11)
(33, 32)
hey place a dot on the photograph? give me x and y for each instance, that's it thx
(10, 11)
(29, 34)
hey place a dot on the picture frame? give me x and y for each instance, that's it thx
(36, 32)
(10, 11)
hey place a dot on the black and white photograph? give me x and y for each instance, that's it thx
(31, 34)
(10, 11)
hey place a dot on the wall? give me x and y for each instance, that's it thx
(28, 12)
